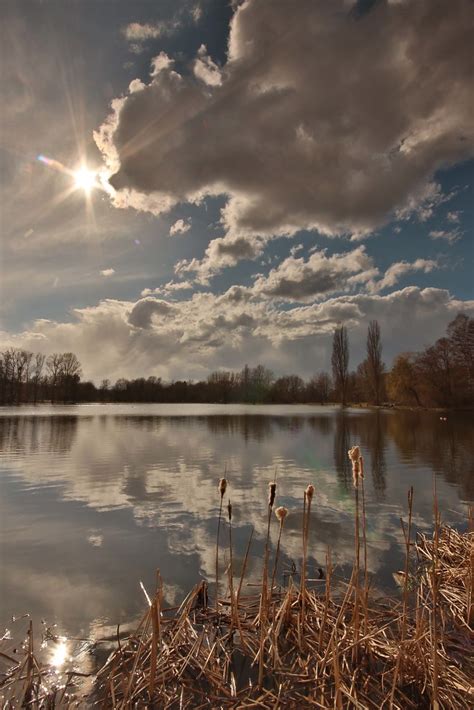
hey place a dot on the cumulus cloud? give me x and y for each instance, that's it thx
(298, 280)
(453, 217)
(143, 312)
(447, 235)
(400, 269)
(168, 289)
(322, 118)
(206, 69)
(188, 338)
(137, 32)
(196, 13)
(222, 252)
(160, 62)
(107, 272)
(423, 203)
(181, 226)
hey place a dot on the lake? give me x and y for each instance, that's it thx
(96, 498)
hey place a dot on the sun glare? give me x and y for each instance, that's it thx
(85, 179)
(59, 654)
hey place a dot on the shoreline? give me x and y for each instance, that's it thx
(356, 405)
(303, 644)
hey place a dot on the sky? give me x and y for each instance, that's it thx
(195, 185)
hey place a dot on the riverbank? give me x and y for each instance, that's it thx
(306, 643)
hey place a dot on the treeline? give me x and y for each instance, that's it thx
(33, 377)
(441, 375)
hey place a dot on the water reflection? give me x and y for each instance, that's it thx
(342, 444)
(95, 499)
(28, 435)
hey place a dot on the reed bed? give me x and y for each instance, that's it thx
(331, 645)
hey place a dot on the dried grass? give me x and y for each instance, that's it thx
(340, 653)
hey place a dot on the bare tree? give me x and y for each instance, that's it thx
(340, 362)
(70, 374)
(54, 365)
(319, 387)
(461, 337)
(9, 372)
(375, 366)
(26, 359)
(37, 374)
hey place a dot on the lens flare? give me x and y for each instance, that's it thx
(51, 163)
(83, 178)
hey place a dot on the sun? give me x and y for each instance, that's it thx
(85, 179)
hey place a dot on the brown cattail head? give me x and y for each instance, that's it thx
(357, 470)
(354, 453)
(309, 493)
(281, 514)
(222, 486)
(361, 473)
(229, 510)
(271, 493)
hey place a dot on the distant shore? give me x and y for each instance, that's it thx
(356, 405)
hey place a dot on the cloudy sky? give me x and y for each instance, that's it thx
(223, 183)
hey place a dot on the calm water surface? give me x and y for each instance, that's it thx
(95, 498)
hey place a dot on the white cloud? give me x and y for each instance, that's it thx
(319, 119)
(222, 252)
(423, 203)
(206, 69)
(136, 31)
(188, 338)
(196, 13)
(453, 217)
(298, 280)
(107, 272)
(399, 269)
(181, 226)
(160, 62)
(446, 235)
(141, 32)
(168, 289)
(136, 85)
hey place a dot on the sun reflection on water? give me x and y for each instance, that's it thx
(59, 654)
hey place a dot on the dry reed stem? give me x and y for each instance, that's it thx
(407, 536)
(222, 489)
(183, 659)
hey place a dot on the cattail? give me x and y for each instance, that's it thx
(355, 457)
(281, 514)
(222, 489)
(229, 510)
(354, 453)
(309, 492)
(357, 473)
(222, 486)
(308, 497)
(263, 597)
(271, 493)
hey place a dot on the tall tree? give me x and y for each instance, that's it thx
(340, 362)
(403, 380)
(37, 374)
(375, 366)
(54, 364)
